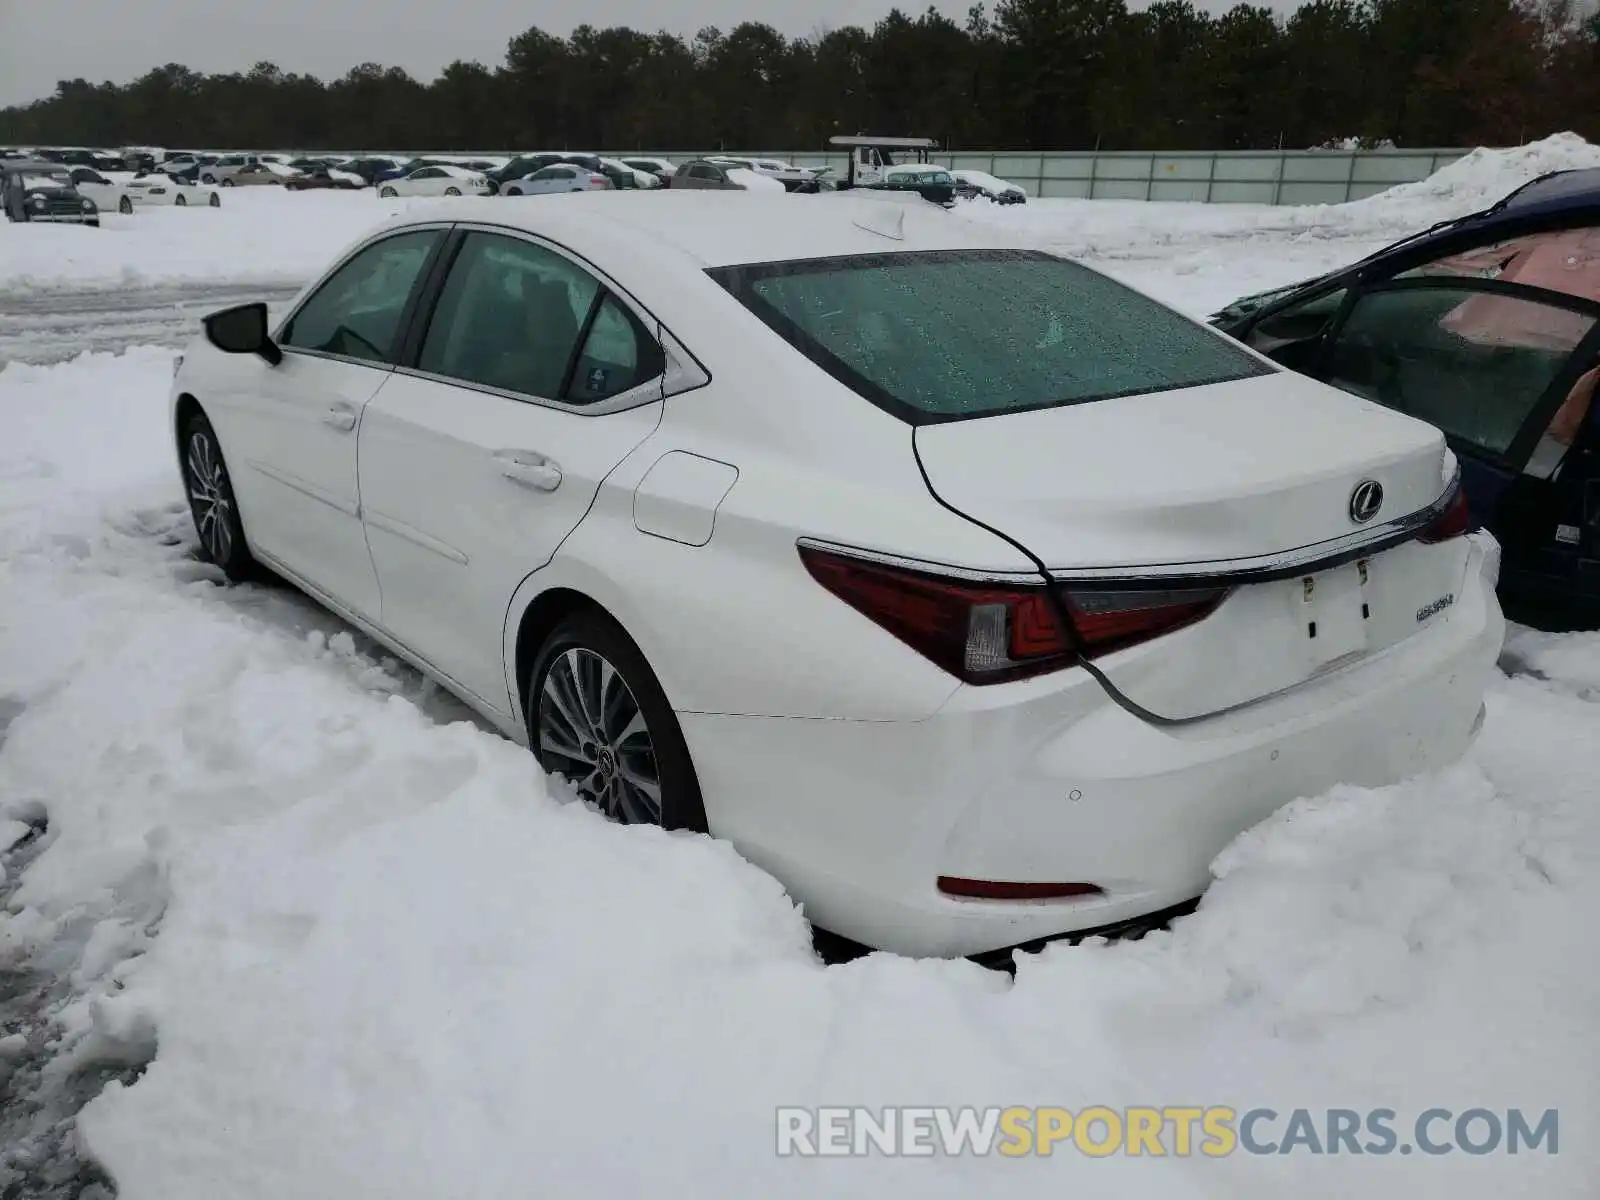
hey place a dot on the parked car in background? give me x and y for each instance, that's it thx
(558, 177)
(710, 175)
(661, 168)
(935, 184)
(107, 196)
(966, 648)
(154, 188)
(793, 178)
(980, 185)
(1489, 328)
(437, 181)
(258, 174)
(42, 190)
(323, 178)
(372, 169)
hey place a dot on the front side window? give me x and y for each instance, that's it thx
(1474, 363)
(357, 312)
(950, 335)
(509, 317)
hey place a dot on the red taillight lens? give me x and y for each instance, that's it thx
(1455, 520)
(993, 632)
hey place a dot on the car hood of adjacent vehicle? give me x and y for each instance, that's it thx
(1210, 474)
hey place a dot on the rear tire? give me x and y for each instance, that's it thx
(227, 183)
(125, 207)
(452, 191)
(180, 202)
(388, 193)
(212, 503)
(597, 716)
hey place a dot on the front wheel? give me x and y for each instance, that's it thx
(216, 200)
(180, 202)
(597, 716)
(452, 191)
(125, 207)
(211, 500)
(388, 193)
(227, 183)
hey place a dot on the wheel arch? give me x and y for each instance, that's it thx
(538, 621)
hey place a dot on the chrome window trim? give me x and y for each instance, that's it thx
(637, 396)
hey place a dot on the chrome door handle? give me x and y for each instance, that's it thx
(340, 418)
(529, 469)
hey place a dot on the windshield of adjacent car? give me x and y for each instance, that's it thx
(948, 335)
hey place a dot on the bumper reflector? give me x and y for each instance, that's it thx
(984, 889)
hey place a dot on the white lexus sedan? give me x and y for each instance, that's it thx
(976, 596)
(437, 181)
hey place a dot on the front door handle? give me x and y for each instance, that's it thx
(340, 417)
(530, 469)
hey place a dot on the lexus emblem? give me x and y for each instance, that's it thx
(1365, 501)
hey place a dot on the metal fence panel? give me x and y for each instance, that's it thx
(1221, 177)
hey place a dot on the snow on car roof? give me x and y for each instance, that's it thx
(457, 172)
(717, 229)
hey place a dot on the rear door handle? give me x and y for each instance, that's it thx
(530, 469)
(340, 417)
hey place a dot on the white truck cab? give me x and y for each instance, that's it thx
(870, 156)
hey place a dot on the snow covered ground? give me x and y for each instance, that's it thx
(318, 934)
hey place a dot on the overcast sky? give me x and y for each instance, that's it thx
(42, 41)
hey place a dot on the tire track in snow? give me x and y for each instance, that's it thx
(53, 326)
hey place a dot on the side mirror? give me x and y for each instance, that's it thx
(243, 330)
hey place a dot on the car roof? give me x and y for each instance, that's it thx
(718, 229)
(30, 165)
(1552, 197)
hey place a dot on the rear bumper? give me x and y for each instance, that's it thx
(859, 819)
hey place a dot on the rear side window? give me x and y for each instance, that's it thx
(950, 335)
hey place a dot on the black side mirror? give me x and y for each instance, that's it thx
(243, 330)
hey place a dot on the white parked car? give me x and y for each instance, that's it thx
(437, 181)
(156, 188)
(976, 596)
(108, 196)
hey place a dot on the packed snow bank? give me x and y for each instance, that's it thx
(373, 953)
(260, 234)
(1484, 176)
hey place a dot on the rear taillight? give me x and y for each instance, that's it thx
(1452, 522)
(984, 632)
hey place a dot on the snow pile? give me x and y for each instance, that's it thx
(259, 234)
(373, 953)
(1485, 176)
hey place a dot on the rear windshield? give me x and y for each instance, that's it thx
(948, 335)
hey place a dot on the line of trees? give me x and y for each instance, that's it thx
(1046, 74)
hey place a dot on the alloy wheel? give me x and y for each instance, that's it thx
(210, 496)
(592, 731)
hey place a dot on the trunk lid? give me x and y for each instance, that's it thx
(1220, 481)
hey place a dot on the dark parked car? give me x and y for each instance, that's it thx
(318, 178)
(1489, 328)
(43, 191)
(707, 176)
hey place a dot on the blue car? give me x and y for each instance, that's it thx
(1489, 328)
